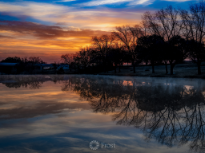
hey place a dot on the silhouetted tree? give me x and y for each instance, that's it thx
(82, 58)
(149, 49)
(193, 22)
(193, 29)
(102, 45)
(128, 36)
(36, 60)
(164, 57)
(196, 53)
(67, 58)
(116, 56)
(164, 23)
(176, 51)
(12, 60)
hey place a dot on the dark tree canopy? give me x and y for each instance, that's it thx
(149, 49)
(12, 60)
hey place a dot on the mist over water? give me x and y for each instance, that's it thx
(64, 113)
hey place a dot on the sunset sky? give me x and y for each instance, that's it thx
(50, 28)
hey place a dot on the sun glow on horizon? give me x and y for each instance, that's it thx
(41, 28)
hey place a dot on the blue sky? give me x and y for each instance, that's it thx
(86, 5)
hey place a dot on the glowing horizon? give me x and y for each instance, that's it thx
(50, 28)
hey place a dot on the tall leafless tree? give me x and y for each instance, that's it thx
(102, 45)
(164, 22)
(193, 28)
(128, 36)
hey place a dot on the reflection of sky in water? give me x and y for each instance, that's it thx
(47, 119)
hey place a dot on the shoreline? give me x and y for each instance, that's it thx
(156, 75)
(202, 76)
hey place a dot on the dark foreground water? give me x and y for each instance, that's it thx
(61, 114)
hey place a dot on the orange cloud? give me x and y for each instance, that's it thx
(44, 31)
(73, 28)
(31, 39)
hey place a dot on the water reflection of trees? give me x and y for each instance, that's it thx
(172, 114)
(22, 107)
(32, 82)
(169, 112)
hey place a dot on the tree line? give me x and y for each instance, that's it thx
(167, 36)
(24, 65)
(25, 60)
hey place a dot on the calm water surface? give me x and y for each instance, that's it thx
(61, 114)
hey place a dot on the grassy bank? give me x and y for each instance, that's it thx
(187, 70)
